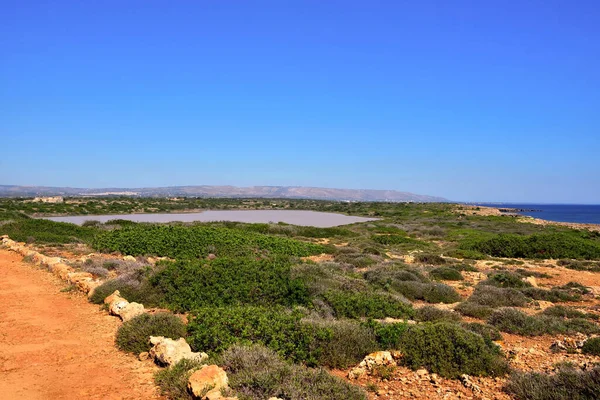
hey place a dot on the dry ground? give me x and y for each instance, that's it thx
(56, 345)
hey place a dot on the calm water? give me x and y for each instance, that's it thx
(588, 214)
(295, 217)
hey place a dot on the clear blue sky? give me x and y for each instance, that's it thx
(469, 100)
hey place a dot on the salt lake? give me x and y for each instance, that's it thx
(294, 217)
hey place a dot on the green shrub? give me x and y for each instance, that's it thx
(44, 231)
(566, 384)
(388, 276)
(178, 241)
(488, 332)
(569, 244)
(346, 304)
(464, 267)
(133, 335)
(466, 254)
(429, 292)
(392, 239)
(257, 373)
(553, 295)
(131, 288)
(173, 381)
(506, 280)
(591, 346)
(387, 334)
(579, 265)
(494, 297)
(449, 350)
(188, 284)
(471, 309)
(432, 259)
(568, 312)
(434, 314)
(511, 320)
(347, 345)
(446, 274)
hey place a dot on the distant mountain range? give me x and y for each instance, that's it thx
(289, 192)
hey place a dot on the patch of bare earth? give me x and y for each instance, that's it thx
(56, 345)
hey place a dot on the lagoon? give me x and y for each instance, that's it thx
(294, 217)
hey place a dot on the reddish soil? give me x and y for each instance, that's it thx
(56, 345)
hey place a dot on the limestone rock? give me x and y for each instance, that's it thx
(207, 382)
(112, 297)
(60, 269)
(129, 258)
(466, 381)
(372, 360)
(166, 351)
(531, 280)
(74, 277)
(131, 310)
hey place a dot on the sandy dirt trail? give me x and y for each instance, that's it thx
(56, 345)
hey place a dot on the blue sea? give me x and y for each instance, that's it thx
(584, 214)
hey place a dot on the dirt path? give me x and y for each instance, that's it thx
(56, 345)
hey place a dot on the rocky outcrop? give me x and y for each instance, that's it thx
(371, 361)
(166, 351)
(208, 382)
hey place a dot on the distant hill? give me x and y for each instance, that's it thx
(296, 192)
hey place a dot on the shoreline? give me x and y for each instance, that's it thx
(501, 211)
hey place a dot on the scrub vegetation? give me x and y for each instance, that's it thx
(275, 304)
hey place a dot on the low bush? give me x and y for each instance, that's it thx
(591, 346)
(566, 384)
(511, 320)
(553, 295)
(568, 312)
(133, 335)
(188, 284)
(387, 334)
(134, 288)
(579, 265)
(446, 274)
(257, 373)
(474, 310)
(466, 254)
(429, 292)
(449, 350)
(179, 241)
(568, 244)
(495, 297)
(337, 344)
(434, 314)
(172, 382)
(392, 239)
(431, 259)
(387, 276)
(347, 345)
(488, 332)
(464, 267)
(346, 304)
(506, 279)
(44, 231)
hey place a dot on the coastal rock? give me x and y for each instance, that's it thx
(207, 382)
(166, 351)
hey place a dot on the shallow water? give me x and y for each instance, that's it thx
(294, 217)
